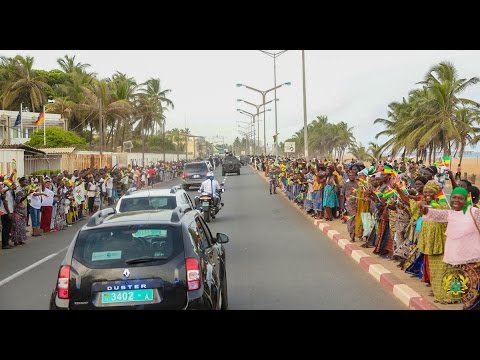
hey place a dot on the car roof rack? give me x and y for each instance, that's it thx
(178, 213)
(130, 191)
(175, 188)
(100, 216)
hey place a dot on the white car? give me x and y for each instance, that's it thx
(155, 199)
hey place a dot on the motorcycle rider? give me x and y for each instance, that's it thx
(210, 185)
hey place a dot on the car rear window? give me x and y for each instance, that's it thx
(147, 203)
(111, 247)
(200, 167)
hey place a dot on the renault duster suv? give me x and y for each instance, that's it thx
(165, 259)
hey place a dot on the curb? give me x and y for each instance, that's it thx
(386, 278)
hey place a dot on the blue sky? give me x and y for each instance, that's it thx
(354, 86)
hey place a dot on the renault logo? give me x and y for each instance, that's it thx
(126, 273)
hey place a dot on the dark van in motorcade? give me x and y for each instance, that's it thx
(194, 174)
(143, 260)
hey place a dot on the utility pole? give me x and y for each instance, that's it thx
(100, 115)
(305, 127)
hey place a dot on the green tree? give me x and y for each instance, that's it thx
(56, 137)
(22, 84)
(68, 65)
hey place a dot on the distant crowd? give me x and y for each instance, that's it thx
(400, 209)
(51, 204)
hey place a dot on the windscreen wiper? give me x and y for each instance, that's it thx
(143, 259)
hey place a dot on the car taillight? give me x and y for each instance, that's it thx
(63, 282)
(193, 274)
(184, 175)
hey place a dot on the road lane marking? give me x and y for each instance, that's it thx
(30, 267)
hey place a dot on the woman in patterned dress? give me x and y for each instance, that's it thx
(19, 231)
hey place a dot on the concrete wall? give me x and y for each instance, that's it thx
(6, 157)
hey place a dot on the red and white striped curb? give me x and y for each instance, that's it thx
(385, 277)
(370, 264)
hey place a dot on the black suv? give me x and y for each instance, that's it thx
(143, 260)
(194, 174)
(231, 165)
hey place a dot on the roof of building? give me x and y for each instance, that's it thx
(64, 150)
(28, 149)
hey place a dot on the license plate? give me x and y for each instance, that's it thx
(205, 203)
(196, 176)
(109, 297)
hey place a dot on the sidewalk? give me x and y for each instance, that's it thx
(408, 289)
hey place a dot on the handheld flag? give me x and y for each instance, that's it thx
(440, 197)
(389, 170)
(18, 121)
(446, 160)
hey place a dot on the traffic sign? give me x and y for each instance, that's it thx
(289, 147)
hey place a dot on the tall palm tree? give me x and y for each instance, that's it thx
(466, 119)
(158, 97)
(100, 96)
(374, 151)
(438, 109)
(123, 88)
(23, 84)
(68, 65)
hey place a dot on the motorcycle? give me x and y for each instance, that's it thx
(207, 206)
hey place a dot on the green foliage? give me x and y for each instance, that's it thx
(53, 78)
(57, 137)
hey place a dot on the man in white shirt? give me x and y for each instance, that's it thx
(210, 186)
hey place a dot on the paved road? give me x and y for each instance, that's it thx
(276, 259)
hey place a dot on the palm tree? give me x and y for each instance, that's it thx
(123, 88)
(466, 118)
(22, 84)
(359, 152)
(374, 151)
(68, 65)
(439, 106)
(158, 97)
(100, 96)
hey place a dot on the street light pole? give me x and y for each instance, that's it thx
(305, 134)
(243, 112)
(264, 94)
(258, 115)
(101, 129)
(274, 56)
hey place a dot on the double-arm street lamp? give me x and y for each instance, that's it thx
(253, 119)
(264, 96)
(258, 113)
(274, 55)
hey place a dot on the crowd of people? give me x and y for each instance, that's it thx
(400, 209)
(51, 204)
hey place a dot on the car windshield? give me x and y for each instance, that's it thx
(110, 248)
(147, 203)
(196, 168)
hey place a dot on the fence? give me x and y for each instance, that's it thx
(71, 162)
(35, 164)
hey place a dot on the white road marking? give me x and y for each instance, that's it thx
(30, 267)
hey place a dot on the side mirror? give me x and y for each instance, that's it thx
(222, 238)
